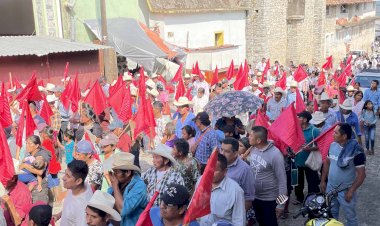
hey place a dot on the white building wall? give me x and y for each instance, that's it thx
(197, 30)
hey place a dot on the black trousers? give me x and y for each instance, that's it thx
(265, 212)
(313, 182)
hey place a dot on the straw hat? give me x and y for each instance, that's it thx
(182, 101)
(259, 73)
(164, 151)
(154, 75)
(347, 105)
(105, 202)
(351, 89)
(324, 96)
(317, 118)
(150, 83)
(255, 83)
(266, 84)
(51, 98)
(293, 84)
(153, 92)
(279, 90)
(124, 161)
(187, 76)
(127, 77)
(50, 87)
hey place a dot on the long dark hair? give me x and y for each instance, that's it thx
(365, 106)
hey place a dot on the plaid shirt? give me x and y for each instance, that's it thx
(55, 119)
(206, 145)
(150, 179)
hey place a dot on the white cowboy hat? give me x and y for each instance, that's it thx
(164, 151)
(351, 89)
(259, 73)
(255, 82)
(293, 84)
(11, 90)
(127, 77)
(154, 75)
(194, 75)
(67, 79)
(182, 101)
(324, 96)
(347, 105)
(317, 118)
(41, 89)
(150, 83)
(266, 84)
(125, 161)
(153, 92)
(187, 76)
(133, 91)
(50, 87)
(105, 202)
(51, 98)
(279, 90)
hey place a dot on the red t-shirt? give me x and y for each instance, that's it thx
(54, 165)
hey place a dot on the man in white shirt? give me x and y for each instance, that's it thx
(78, 194)
(227, 198)
(200, 100)
(276, 104)
(200, 82)
(261, 65)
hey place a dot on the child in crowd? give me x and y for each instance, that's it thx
(29, 178)
(68, 145)
(368, 119)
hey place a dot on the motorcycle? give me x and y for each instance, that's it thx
(317, 208)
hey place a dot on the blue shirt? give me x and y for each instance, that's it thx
(373, 96)
(242, 174)
(157, 220)
(135, 201)
(290, 98)
(330, 118)
(69, 151)
(206, 145)
(310, 133)
(352, 120)
(180, 125)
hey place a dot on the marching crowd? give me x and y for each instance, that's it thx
(104, 184)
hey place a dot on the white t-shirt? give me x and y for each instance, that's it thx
(74, 208)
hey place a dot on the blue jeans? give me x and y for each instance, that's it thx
(369, 133)
(348, 208)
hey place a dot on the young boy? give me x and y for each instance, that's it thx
(29, 178)
(68, 145)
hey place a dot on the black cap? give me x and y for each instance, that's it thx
(41, 214)
(306, 115)
(176, 195)
(203, 117)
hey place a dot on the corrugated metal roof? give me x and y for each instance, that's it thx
(41, 46)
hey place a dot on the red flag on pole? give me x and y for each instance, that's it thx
(75, 94)
(277, 71)
(6, 163)
(178, 74)
(97, 99)
(30, 92)
(30, 125)
(300, 74)
(287, 128)
(230, 71)
(300, 104)
(116, 100)
(144, 219)
(265, 72)
(241, 79)
(5, 112)
(126, 107)
(180, 89)
(141, 84)
(141, 119)
(65, 96)
(215, 77)
(315, 105)
(321, 79)
(349, 59)
(119, 83)
(200, 202)
(310, 95)
(46, 112)
(282, 82)
(87, 137)
(328, 64)
(342, 96)
(324, 141)
(197, 71)
(188, 94)
(150, 132)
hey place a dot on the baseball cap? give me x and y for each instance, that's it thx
(203, 117)
(85, 147)
(176, 195)
(41, 214)
(115, 124)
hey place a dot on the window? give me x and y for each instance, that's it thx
(327, 10)
(343, 8)
(219, 38)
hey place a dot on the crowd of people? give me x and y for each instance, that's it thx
(103, 183)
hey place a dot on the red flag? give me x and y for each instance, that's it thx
(6, 163)
(144, 219)
(342, 66)
(300, 74)
(277, 71)
(342, 96)
(300, 104)
(180, 89)
(30, 125)
(310, 95)
(324, 141)
(30, 92)
(352, 82)
(65, 95)
(141, 118)
(315, 105)
(328, 64)
(116, 100)
(215, 77)
(287, 128)
(178, 74)
(5, 112)
(197, 71)
(142, 85)
(200, 202)
(230, 71)
(151, 132)
(75, 94)
(87, 137)
(126, 107)
(41, 83)
(348, 70)
(349, 59)
(65, 72)
(321, 79)
(119, 83)
(97, 99)
(265, 72)
(241, 79)
(20, 129)
(261, 120)
(188, 94)
(282, 81)
(342, 79)
(46, 112)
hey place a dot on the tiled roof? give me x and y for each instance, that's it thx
(340, 2)
(41, 46)
(188, 6)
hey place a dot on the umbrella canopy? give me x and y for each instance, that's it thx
(233, 103)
